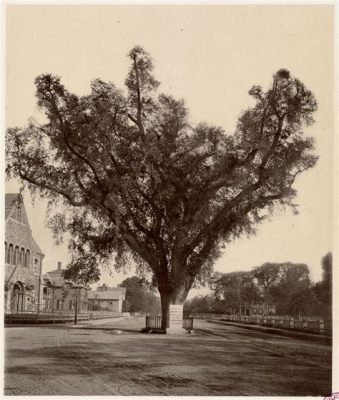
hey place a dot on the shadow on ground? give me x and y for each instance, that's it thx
(93, 362)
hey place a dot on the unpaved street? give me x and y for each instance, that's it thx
(225, 360)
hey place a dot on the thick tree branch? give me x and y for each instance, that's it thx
(53, 189)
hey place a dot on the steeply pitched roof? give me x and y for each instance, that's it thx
(11, 199)
(36, 247)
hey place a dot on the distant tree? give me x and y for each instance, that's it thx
(323, 289)
(294, 282)
(266, 278)
(153, 304)
(140, 296)
(200, 304)
(282, 284)
(304, 303)
(236, 290)
(136, 297)
(134, 178)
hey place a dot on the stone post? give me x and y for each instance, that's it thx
(176, 319)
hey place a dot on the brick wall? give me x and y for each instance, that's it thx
(27, 270)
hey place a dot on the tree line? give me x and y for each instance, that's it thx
(286, 286)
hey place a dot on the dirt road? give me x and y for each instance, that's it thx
(224, 360)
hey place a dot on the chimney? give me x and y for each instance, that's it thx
(59, 265)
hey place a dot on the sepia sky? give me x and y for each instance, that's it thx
(208, 55)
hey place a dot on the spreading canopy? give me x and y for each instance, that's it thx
(134, 178)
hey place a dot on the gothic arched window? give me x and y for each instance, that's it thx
(22, 257)
(10, 254)
(16, 255)
(27, 258)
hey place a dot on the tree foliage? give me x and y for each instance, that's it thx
(282, 284)
(236, 290)
(135, 179)
(285, 286)
(323, 289)
(139, 296)
(202, 304)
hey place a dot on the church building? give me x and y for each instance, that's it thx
(23, 259)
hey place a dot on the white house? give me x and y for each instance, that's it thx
(106, 298)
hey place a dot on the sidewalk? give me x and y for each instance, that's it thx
(127, 324)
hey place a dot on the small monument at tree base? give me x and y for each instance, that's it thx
(176, 319)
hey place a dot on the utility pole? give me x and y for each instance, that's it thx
(52, 305)
(39, 290)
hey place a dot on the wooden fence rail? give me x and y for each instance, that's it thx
(57, 316)
(314, 325)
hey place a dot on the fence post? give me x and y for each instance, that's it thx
(292, 323)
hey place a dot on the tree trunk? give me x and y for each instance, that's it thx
(173, 295)
(165, 303)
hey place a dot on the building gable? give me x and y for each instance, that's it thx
(16, 214)
(15, 208)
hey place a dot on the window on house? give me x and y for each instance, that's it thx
(46, 304)
(59, 304)
(72, 305)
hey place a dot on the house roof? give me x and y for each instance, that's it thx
(57, 280)
(56, 277)
(113, 294)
